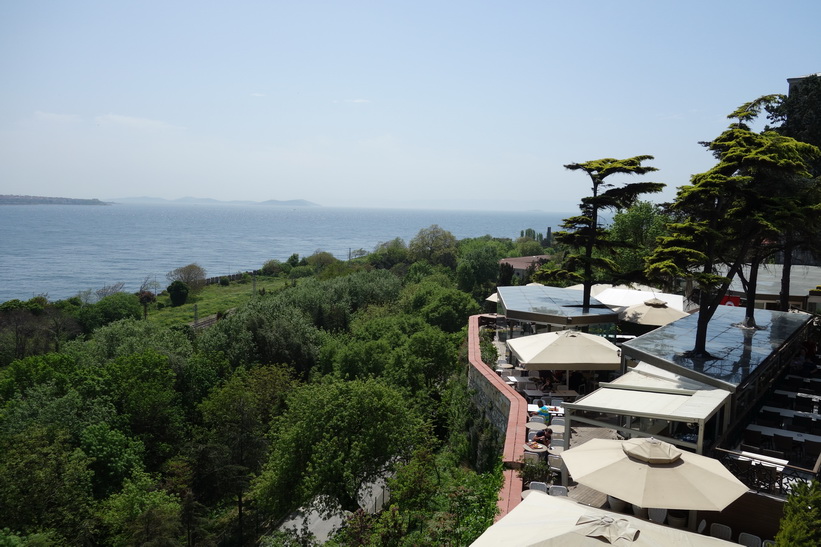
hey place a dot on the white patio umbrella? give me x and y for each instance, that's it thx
(559, 521)
(651, 312)
(652, 473)
(565, 350)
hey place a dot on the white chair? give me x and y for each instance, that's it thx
(530, 457)
(555, 462)
(750, 540)
(557, 421)
(530, 435)
(677, 520)
(556, 402)
(640, 512)
(657, 515)
(768, 543)
(540, 486)
(616, 504)
(721, 531)
(556, 490)
(537, 418)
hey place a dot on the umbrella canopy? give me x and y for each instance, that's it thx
(651, 473)
(651, 312)
(557, 520)
(565, 350)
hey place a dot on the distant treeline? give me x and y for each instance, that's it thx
(40, 200)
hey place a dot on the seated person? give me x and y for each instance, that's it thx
(544, 412)
(544, 436)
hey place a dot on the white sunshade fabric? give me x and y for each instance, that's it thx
(651, 473)
(619, 299)
(565, 350)
(677, 398)
(554, 520)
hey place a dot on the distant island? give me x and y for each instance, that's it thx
(40, 200)
(209, 201)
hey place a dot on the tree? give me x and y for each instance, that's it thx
(584, 232)
(142, 514)
(726, 213)
(178, 292)
(192, 275)
(353, 444)
(801, 523)
(637, 227)
(434, 245)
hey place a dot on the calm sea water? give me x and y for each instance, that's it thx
(60, 250)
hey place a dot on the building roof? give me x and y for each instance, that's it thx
(552, 305)
(802, 280)
(649, 392)
(737, 351)
(524, 262)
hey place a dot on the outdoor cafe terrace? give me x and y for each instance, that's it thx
(715, 407)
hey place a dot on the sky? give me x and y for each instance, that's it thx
(422, 104)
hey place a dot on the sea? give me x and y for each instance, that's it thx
(61, 250)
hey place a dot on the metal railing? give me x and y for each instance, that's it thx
(763, 476)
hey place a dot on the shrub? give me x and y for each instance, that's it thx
(274, 267)
(224, 281)
(178, 292)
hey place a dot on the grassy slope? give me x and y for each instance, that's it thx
(212, 299)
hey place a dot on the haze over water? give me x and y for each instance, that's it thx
(60, 250)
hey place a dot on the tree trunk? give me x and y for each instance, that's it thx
(752, 286)
(784, 297)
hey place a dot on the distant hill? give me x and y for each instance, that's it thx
(40, 200)
(209, 201)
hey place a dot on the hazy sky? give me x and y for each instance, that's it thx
(445, 104)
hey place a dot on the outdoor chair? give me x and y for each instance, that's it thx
(640, 512)
(657, 515)
(744, 447)
(530, 457)
(556, 490)
(805, 424)
(768, 543)
(772, 453)
(779, 400)
(803, 404)
(721, 531)
(556, 402)
(557, 421)
(616, 504)
(530, 435)
(770, 419)
(752, 437)
(749, 540)
(812, 449)
(540, 486)
(537, 418)
(784, 443)
(677, 519)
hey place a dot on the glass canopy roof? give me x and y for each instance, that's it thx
(737, 351)
(553, 305)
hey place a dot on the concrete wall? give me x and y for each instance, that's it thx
(505, 409)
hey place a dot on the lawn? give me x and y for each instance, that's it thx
(211, 300)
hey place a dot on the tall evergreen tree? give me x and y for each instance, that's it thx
(584, 232)
(728, 212)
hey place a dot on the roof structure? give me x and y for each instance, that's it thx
(650, 392)
(552, 305)
(737, 351)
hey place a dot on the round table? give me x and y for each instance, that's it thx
(536, 426)
(541, 450)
